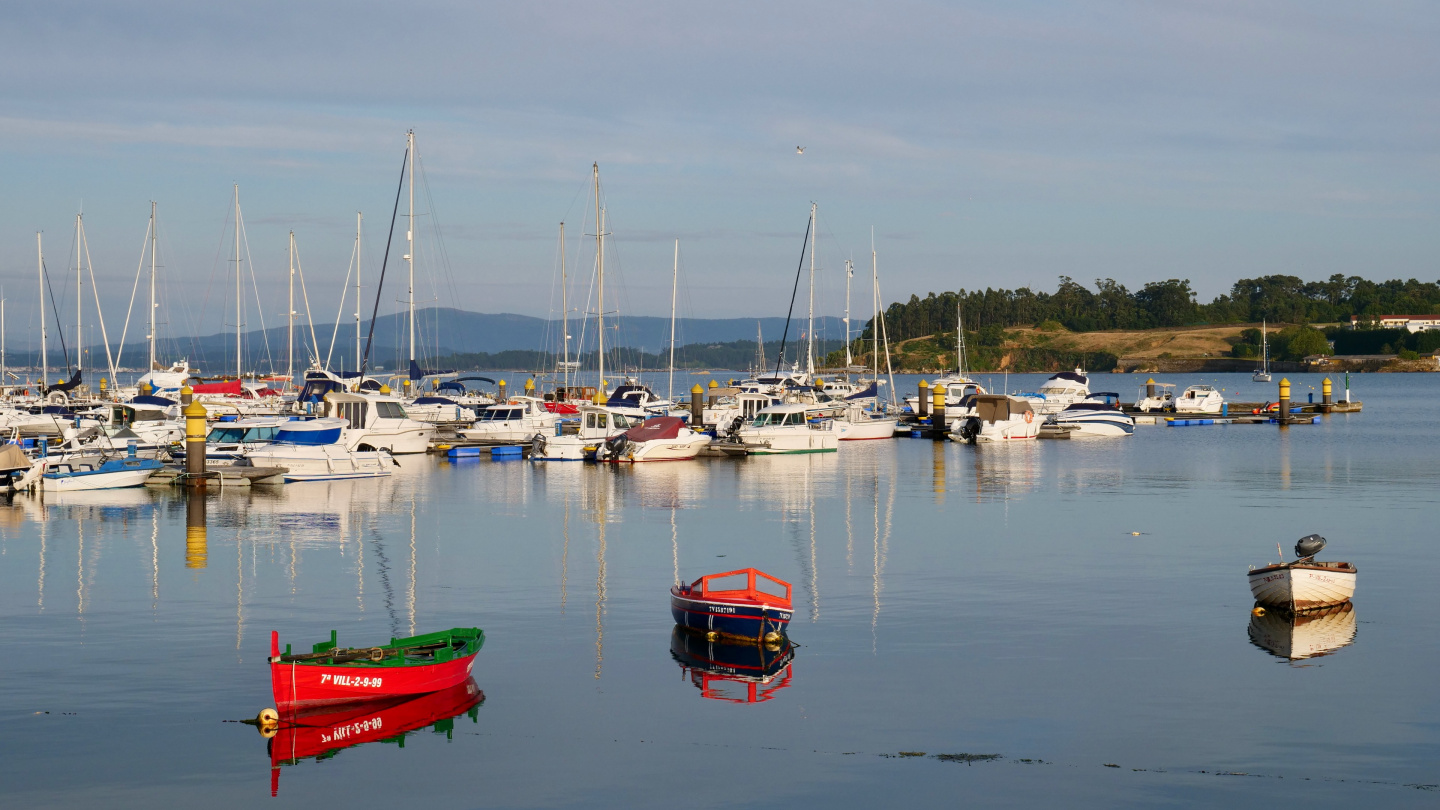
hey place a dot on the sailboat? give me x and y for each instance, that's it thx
(1263, 373)
(866, 416)
(956, 386)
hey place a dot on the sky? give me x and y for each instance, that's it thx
(986, 144)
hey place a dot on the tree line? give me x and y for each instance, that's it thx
(1277, 298)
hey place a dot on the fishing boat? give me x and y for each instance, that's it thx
(1304, 584)
(332, 675)
(743, 672)
(321, 732)
(995, 418)
(746, 603)
(1097, 415)
(80, 475)
(659, 438)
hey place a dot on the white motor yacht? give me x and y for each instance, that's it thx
(229, 442)
(997, 418)
(659, 438)
(378, 422)
(1199, 399)
(858, 422)
(310, 450)
(635, 399)
(512, 422)
(790, 428)
(1097, 415)
(1060, 391)
(956, 387)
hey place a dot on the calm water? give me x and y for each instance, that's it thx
(949, 599)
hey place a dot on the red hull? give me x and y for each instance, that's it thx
(298, 685)
(316, 733)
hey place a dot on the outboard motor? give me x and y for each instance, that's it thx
(615, 445)
(733, 432)
(1309, 546)
(971, 429)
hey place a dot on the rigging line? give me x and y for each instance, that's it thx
(99, 314)
(780, 360)
(255, 285)
(344, 291)
(56, 310)
(314, 344)
(380, 285)
(120, 352)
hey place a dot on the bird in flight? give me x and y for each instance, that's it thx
(799, 150)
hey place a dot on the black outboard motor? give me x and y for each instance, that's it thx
(1309, 546)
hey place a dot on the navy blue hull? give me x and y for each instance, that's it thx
(728, 618)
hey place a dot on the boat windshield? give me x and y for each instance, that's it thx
(500, 415)
(389, 410)
(231, 435)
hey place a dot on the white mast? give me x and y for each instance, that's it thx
(237, 282)
(849, 274)
(564, 314)
(44, 355)
(151, 336)
(4, 368)
(875, 308)
(674, 285)
(810, 330)
(960, 360)
(410, 238)
(600, 269)
(358, 219)
(79, 299)
(290, 318)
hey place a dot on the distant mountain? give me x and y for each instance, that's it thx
(443, 332)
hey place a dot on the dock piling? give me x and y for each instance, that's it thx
(938, 425)
(697, 407)
(1327, 403)
(922, 405)
(194, 443)
(1284, 400)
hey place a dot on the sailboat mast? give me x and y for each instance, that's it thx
(79, 299)
(674, 286)
(810, 329)
(44, 355)
(564, 315)
(874, 308)
(359, 218)
(410, 240)
(849, 273)
(960, 358)
(290, 318)
(600, 270)
(151, 336)
(238, 362)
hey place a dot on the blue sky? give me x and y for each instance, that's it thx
(998, 144)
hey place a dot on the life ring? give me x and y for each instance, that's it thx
(1029, 417)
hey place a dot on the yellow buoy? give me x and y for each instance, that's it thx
(268, 717)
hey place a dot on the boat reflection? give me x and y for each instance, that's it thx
(1003, 471)
(323, 732)
(1296, 637)
(735, 672)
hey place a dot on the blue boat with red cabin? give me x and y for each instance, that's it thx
(747, 603)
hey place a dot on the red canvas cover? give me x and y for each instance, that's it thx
(656, 428)
(231, 388)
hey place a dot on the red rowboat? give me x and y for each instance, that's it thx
(747, 603)
(330, 675)
(320, 732)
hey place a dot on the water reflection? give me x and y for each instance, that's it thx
(1296, 637)
(323, 732)
(1003, 471)
(735, 672)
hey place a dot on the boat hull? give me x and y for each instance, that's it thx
(771, 442)
(400, 441)
(323, 462)
(728, 618)
(298, 685)
(95, 481)
(1305, 635)
(662, 450)
(1303, 587)
(866, 429)
(1108, 423)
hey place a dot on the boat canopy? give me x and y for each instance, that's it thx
(146, 399)
(314, 431)
(659, 428)
(868, 393)
(435, 400)
(231, 388)
(999, 407)
(630, 395)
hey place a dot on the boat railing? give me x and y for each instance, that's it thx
(715, 585)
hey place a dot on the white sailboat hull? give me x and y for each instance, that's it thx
(864, 429)
(1303, 587)
(92, 481)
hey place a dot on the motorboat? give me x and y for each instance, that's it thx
(636, 399)
(736, 672)
(230, 441)
(1155, 396)
(659, 438)
(593, 425)
(775, 383)
(310, 401)
(996, 418)
(1199, 399)
(790, 428)
(511, 422)
(1060, 391)
(1298, 636)
(310, 450)
(79, 475)
(1305, 583)
(1097, 415)
(746, 604)
(378, 422)
(734, 408)
(857, 423)
(330, 674)
(159, 382)
(435, 408)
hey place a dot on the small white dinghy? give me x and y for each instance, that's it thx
(1305, 584)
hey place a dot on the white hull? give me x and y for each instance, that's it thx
(92, 481)
(678, 449)
(399, 441)
(507, 432)
(866, 429)
(563, 448)
(801, 439)
(1106, 423)
(1303, 587)
(1306, 635)
(323, 462)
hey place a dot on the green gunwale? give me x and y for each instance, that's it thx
(430, 648)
